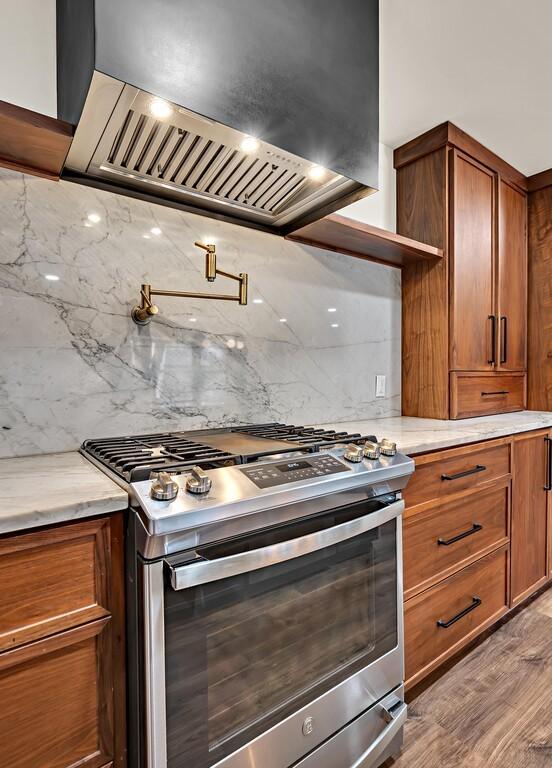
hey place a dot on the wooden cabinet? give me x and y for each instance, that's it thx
(62, 642)
(530, 523)
(472, 264)
(456, 536)
(466, 315)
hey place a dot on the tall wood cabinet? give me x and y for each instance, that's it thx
(464, 319)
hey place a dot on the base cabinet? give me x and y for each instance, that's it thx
(477, 542)
(530, 518)
(62, 641)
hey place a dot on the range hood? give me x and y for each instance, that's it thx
(261, 112)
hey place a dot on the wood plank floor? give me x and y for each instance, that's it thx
(494, 708)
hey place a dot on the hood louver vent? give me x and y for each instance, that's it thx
(166, 153)
(187, 158)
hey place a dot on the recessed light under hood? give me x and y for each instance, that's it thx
(147, 140)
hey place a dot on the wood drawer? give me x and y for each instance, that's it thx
(427, 643)
(448, 537)
(484, 394)
(467, 468)
(53, 580)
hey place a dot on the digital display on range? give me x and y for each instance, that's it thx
(290, 466)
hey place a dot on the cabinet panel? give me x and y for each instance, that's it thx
(473, 339)
(439, 621)
(56, 701)
(529, 514)
(54, 580)
(452, 534)
(512, 278)
(484, 394)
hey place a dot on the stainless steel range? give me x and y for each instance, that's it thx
(265, 597)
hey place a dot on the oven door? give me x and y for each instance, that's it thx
(261, 647)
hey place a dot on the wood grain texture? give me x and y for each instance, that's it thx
(529, 515)
(427, 645)
(33, 143)
(427, 485)
(479, 394)
(539, 181)
(540, 301)
(492, 708)
(512, 278)
(62, 623)
(472, 262)
(422, 194)
(355, 238)
(448, 133)
(55, 710)
(53, 580)
(427, 561)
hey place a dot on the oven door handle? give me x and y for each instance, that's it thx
(203, 571)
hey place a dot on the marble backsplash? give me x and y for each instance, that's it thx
(74, 365)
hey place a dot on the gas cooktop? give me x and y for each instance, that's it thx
(134, 458)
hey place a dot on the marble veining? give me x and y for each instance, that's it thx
(56, 488)
(414, 435)
(75, 366)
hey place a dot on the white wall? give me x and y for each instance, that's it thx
(378, 209)
(28, 54)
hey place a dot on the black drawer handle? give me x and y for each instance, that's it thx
(499, 392)
(458, 475)
(548, 486)
(474, 529)
(476, 601)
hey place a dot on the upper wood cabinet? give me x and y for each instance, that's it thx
(464, 330)
(472, 265)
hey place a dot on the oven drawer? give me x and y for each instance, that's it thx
(439, 542)
(443, 474)
(485, 394)
(439, 621)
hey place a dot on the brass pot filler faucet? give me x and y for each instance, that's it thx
(142, 313)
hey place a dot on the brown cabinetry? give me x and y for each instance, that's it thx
(530, 525)
(62, 647)
(466, 314)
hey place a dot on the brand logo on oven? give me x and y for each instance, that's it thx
(308, 726)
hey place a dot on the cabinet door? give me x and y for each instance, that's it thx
(529, 514)
(473, 346)
(512, 278)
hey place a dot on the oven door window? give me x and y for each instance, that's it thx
(243, 653)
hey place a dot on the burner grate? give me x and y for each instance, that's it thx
(135, 458)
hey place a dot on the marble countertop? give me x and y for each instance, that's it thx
(414, 435)
(54, 488)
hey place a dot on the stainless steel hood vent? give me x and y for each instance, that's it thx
(245, 132)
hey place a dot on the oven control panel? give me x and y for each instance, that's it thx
(291, 471)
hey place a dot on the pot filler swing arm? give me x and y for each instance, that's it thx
(142, 313)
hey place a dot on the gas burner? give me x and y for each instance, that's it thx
(135, 458)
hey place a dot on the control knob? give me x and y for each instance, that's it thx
(354, 453)
(198, 481)
(371, 450)
(163, 487)
(388, 447)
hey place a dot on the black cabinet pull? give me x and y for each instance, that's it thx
(474, 529)
(498, 392)
(458, 475)
(504, 340)
(476, 601)
(548, 486)
(492, 359)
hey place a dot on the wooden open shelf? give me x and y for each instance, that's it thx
(354, 238)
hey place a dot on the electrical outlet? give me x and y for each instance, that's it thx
(380, 385)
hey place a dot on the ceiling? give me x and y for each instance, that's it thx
(485, 65)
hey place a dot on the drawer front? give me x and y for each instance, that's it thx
(439, 542)
(449, 472)
(483, 395)
(53, 580)
(442, 619)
